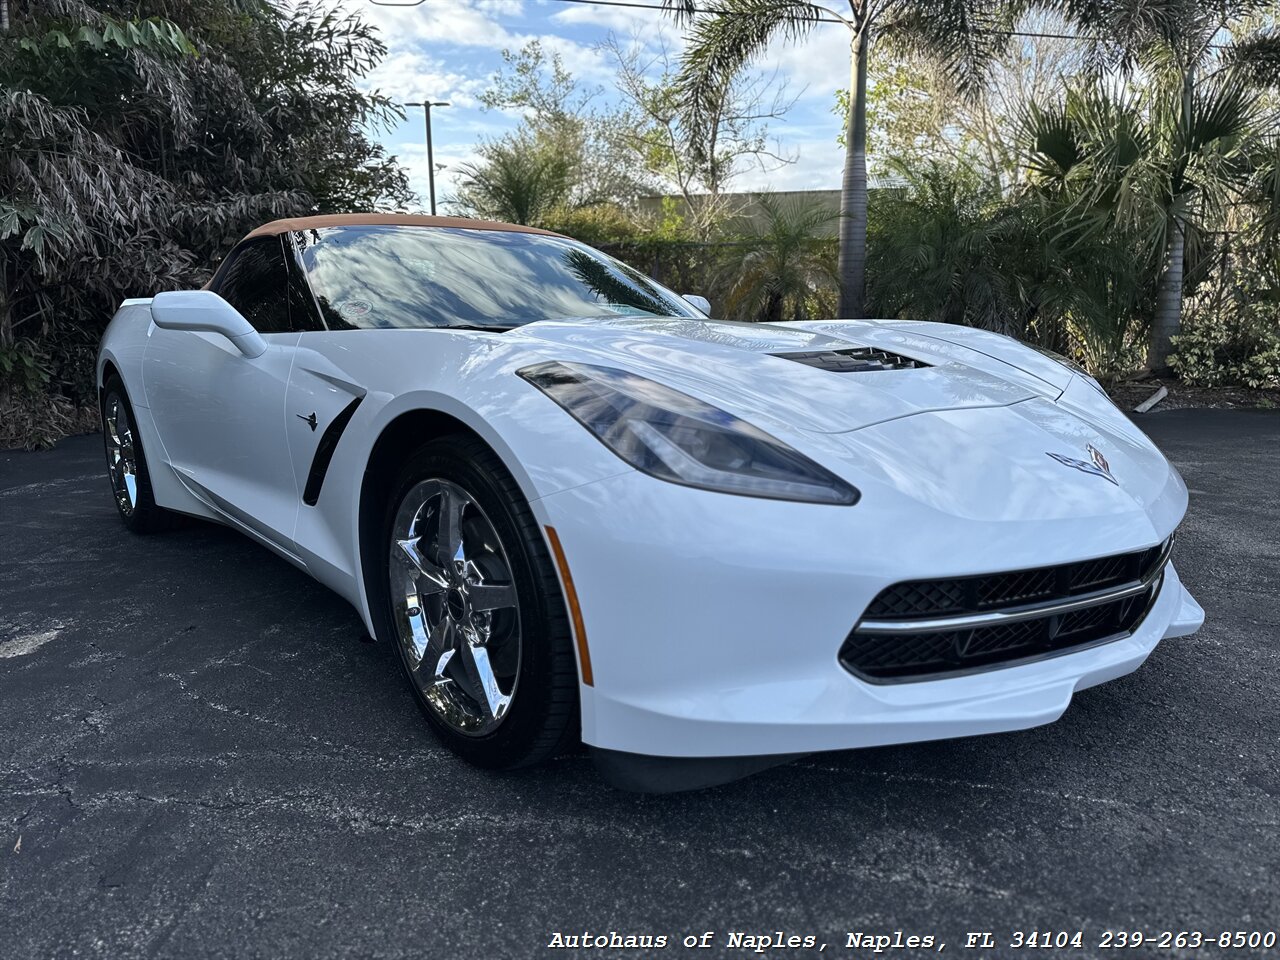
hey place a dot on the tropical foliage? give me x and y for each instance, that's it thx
(949, 245)
(572, 152)
(1195, 138)
(1232, 332)
(961, 36)
(140, 140)
(567, 153)
(520, 178)
(785, 271)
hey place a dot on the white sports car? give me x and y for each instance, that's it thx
(577, 506)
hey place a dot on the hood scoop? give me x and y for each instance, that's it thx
(854, 360)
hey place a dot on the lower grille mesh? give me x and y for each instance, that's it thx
(935, 598)
(940, 649)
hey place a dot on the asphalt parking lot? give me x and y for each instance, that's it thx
(199, 758)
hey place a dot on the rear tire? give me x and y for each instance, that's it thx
(127, 463)
(471, 602)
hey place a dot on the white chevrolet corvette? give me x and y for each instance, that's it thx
(577, 506)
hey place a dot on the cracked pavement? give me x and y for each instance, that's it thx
(200, 758)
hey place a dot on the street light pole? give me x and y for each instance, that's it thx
(431, 160)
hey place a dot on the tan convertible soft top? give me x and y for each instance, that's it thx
(386, 219)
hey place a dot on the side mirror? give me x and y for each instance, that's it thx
(204, 310)
(702, 303)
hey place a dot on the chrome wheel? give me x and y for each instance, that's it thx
(454, 606)
(121, 462)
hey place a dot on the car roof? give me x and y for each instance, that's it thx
(291, 224)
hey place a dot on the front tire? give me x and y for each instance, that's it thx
(473, 607)
(127, 463)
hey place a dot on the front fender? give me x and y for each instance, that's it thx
(545, 450)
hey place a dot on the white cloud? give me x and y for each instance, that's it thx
(819, 164)
(460, 22)
(435, 26)
(506, 8)
(818, 66)
(410, 75)
(624, 21)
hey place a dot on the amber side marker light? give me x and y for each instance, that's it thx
(575, 611)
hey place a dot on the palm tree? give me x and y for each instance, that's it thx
(963, 35)
(517, 180)
(788, 264)
(941, 249)
(1155, 165)
(1204, 61)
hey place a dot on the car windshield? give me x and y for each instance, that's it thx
(395, 276)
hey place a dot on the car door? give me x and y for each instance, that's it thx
(221, 415)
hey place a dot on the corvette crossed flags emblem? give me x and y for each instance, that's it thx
(1096, 464)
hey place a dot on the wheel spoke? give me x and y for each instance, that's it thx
(440, 647)
(113, 424)
(475, 662)
(432, 578)
(450, 574)
(418, 625)
(492, 596)
(449, 532)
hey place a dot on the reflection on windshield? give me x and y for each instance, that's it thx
(637, 291)
(381, 276)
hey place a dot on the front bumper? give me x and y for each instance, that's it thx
(714, 622)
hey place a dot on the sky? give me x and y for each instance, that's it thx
(450, 50)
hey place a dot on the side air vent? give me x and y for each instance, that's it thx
(324, 452)
(854, 360)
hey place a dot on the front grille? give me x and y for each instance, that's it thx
(854, 360)
(925, 629)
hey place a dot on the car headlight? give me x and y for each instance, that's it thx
(673, 436)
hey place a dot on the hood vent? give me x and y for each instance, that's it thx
(854, 360)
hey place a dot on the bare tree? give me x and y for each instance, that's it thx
(698, 162)
(918, 115)
(559, 114)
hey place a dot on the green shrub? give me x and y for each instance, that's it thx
(603, 223)
(43, 399)
(22, 369)
(1231, 334)
(1220, 351)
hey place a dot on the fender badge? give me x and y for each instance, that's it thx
(312, 422)
(1096, 464)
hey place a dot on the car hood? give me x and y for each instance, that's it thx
(745, 368)
(1033, 461)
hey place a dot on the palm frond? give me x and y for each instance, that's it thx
(1255, 59)
(682, 10)
(790, 263)
(964, 37)
(722, 42)
(1051, 142)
